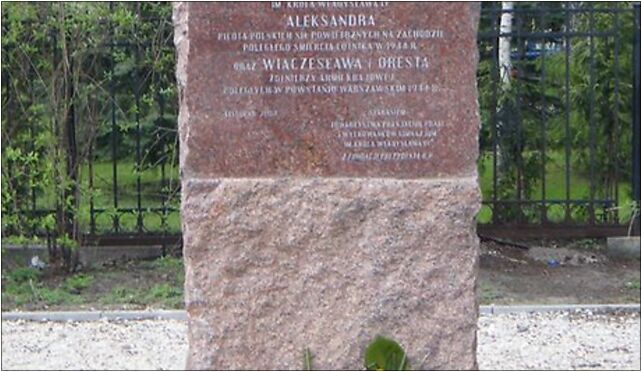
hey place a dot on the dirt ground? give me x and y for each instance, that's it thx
(556, 272)
(132, 285)
(548, 272)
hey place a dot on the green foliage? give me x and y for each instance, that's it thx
(633, 285)
(488, 294)
(122, 295)
(19, 294)
(55, 57)
(168, 263)
(164, 291)
(23, 275)
(78, 282)
(22, 240)
(23, 285)
(384, 354)
(65, 241)
(157, 283)
(18, 285)
(169, 294)
(601, 119)
(57, 296)
(531, 113)
(307, 359)
(171, 266)
(165, 295)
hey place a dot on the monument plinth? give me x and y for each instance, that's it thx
(329, 182)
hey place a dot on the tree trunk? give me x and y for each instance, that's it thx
(505, 26)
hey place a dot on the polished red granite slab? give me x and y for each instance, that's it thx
(358, 89)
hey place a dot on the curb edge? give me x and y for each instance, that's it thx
(93, 316)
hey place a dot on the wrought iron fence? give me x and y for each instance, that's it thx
(119, 136)
(558, 104)
(559, 143)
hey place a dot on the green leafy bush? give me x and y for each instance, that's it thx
(78, 282)
(23, 275)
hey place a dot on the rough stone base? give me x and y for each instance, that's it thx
(274, 266)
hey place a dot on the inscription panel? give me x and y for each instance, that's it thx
(372, 89)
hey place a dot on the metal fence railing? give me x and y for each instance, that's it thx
(559, 100)
(118, 133)
(557, 106)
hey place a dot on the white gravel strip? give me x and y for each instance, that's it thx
(133, 345)
(561, 340)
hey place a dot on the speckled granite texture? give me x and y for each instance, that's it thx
(278, 265)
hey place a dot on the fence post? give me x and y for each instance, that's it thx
(635, 146)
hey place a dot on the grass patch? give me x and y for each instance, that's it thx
(122, 295)
(633, 285)
(154, 193)
(487, 294)
(23, 275)
(19, 293)
(134, 284)
(78, 282)
(19, 286)
(58, 296)
(578, 185)
(166, 295)
(23, 286)
(163, 295)
(157, 283)
(168, 263)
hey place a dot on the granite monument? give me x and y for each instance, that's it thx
(329, 182)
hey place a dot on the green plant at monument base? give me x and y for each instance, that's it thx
(382, 354)
(307, 360)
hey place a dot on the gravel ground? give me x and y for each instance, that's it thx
(510, 341)
(578, 340)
